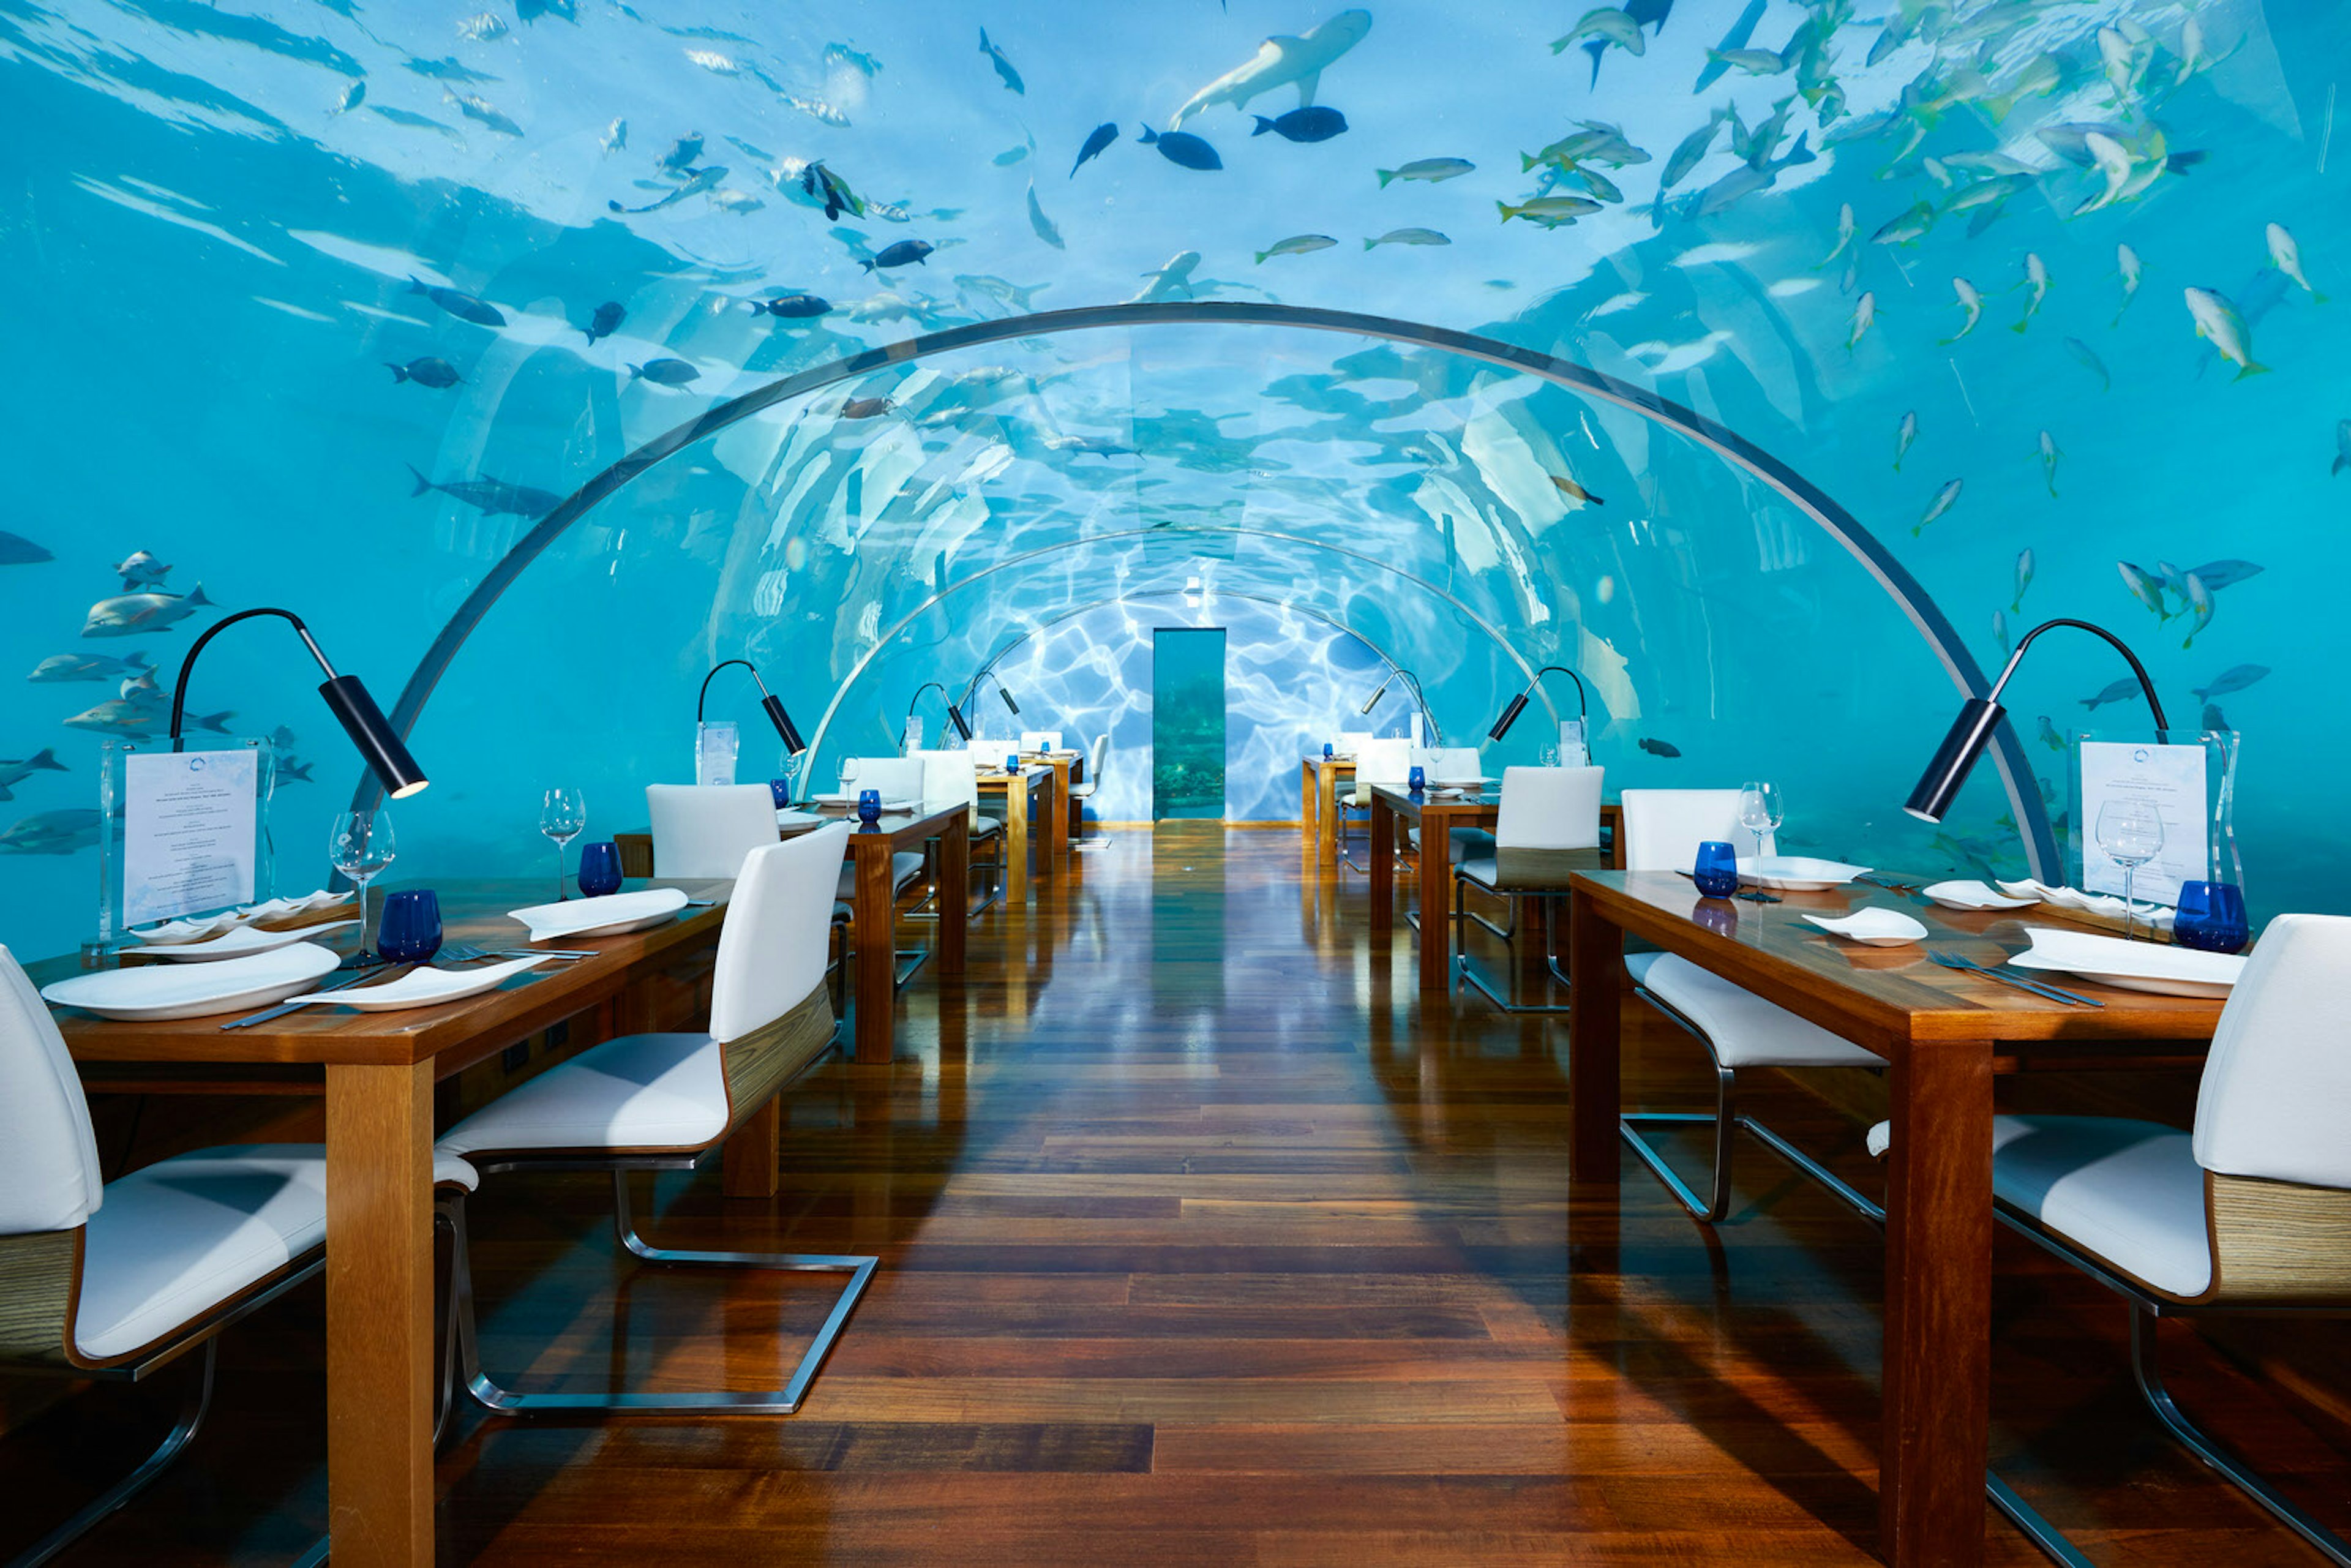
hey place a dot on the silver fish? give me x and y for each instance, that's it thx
(59, 668)
(1042, 225)
(1296, 244)
(2287, 257)
(2000, 629)
(2234, 679)
(2217, 319)
(616, 137)
(127, 614)
(15, 772)
(2049, 736)
(2200, 608)
(1844, 234)
(2221, 574)
(2036, 280)
(1904, 436)
(2128, 268)
(1690, 151)
(1972, 302)
(1865, 311)
(1408, 236)
(2144, 587)
(140, 570)
(51, 832)
(1944, 500)
(133, 720)
(2023, 573)
(2049, 455)
(2118, 691)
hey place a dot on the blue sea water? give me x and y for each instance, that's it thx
(211, 216)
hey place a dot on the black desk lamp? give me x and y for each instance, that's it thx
(971, 690)
(955, 714)
(377, 743)
(1435, 731)
(793, 744)
(1519, 704)
(1972, 731)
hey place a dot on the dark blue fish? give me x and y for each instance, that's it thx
(446, 71)
(17, 550)
(1740, 32)
(1660, 747)
(532, 10)
(1010, 77)
(793, 306)
(464, 307)
(606, 320)
(489, 496)
(427, 372)
(905, 252)
(291, 771)
(1181, 147)
(682, 153)
(1102, 136)
(664, 372)
(1310, 124)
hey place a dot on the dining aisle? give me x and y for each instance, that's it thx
(1208, 1238)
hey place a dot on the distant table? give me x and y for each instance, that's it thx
(1435, 816)
(1318, 804)
(380, 1069)
(1031, 803)
(1057, 817)
(1943, 1035)
(875, 907)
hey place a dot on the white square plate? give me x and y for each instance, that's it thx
(2131, 966)
(1796, 874)
(423, 988)
(243, 941)
(607, 917)
(148, 993)
(1872, 927)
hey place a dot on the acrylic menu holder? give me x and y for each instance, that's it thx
(2192, 778)
(1572, 750)
(159, 854)
(715, 746)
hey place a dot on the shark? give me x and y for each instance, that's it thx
(1281, 61)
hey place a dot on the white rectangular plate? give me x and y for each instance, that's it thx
(243, 941)
(1796, 874)
(1872, 928)
(423, 988)
(1978, 895)
(2131, 966)
(607, 917)
(150, 993)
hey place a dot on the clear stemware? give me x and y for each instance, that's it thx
(2130, 831)
(563, 817)
(1760, 811)
(360, 845)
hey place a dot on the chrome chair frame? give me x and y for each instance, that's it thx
(1465, 969)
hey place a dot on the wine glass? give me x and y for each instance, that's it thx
(849, 778)
(563, 817)
(1760, 811)
(2130, 831)
(360, 846)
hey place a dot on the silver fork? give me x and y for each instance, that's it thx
(1950, 960)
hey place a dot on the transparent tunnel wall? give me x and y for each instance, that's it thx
(212, 216)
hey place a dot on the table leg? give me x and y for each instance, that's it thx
(877, 946)
(1382, 868)
(1595, 956)
(1054, 826)
(749, 1163)
(1326, 821)
(1308, 834)
(1937, 1378)
(955, 894)
(1436, 904)
(1060, 785)
(1016, 842)
(379, 1314)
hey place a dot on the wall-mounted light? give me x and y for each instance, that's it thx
(1519, 704)
(377, 742)
(971, 689)
(1979, 717)
(955, 714)
(1412, 684)
(773, 705)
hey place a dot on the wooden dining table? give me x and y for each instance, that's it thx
(379, 1071)
(1435, 814)
(1944, 1036)
(874, 906)
(1318, 804)
(1032, 806)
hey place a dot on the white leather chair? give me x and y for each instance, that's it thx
(1352, 742)
(1378, 761)
(1083, 790)
(1544, 809)
(113, 1281)
(2249, 1212)
(897, 777)
(1663, 829)
(951, 778)
(665, 1102)
(1040, 740)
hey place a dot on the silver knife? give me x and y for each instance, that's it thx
(266, 1014)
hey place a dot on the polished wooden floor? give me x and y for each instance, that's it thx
(1204, 1241)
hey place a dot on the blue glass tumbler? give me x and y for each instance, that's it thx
(600, 869)
(869, 807)
(1011, 762)
(781, 789)
(1416, 780)
(1326, 751)
(2211, 918)
(410, 930)
(1717, 872)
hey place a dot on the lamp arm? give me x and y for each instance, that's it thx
(1582, 698)
(915, 701)
(705, 696)
(2155, 704)
(180, 687)
(1413, 681)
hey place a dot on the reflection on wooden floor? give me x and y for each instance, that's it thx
(1205, 1242)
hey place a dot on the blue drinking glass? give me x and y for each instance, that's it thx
(1012, 763)
(869, 806)
(781, 789)
(1416, 780)
(2211, 918)
(1717, 872)
(1326, 751)
(600, 869)
(410, 930)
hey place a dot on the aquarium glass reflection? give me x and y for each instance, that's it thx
(326, 303)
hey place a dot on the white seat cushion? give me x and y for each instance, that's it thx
(451, 1170)
(1639, 966)
(905, 868)
(1741, 1029)
(1082, 791)
(639, 1092)
(171, 1242)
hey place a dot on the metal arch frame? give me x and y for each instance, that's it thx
(857, 671)
(1942, 639)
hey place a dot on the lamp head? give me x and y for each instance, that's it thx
(1377, 692)
(962, 725)
(1005, 692)
(793, 744)
(1509, 717)
(1939, 785)
(373, 735)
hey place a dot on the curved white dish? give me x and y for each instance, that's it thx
(280, 908)
(243, 941)
(423, 988)
(791, 819)
(173, 932)
(2131, 966)
(150, 993)
(1978, 896)
(607, 917)
(1475, 782)
(837, 798)
(1872, 927)
(1796, 874)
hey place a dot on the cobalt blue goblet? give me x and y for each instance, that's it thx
(600, 869)
(869, 806)
(2211, 918)
(781, 789)
(1012, 763)
(1326, 751)
(1717, 872)
(410, 931)
(1416, 780)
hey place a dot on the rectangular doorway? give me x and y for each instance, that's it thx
(1187, 722)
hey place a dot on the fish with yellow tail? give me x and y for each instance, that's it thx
(2037, 280)
(2218, 320)
(2287, 257)
(1945, 499)
(1865, 312)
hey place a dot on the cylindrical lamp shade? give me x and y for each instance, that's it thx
(1003, 692)
(793, 744)
(1509, 717)
(962, 725)
(1939, 785)
(372, 733)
